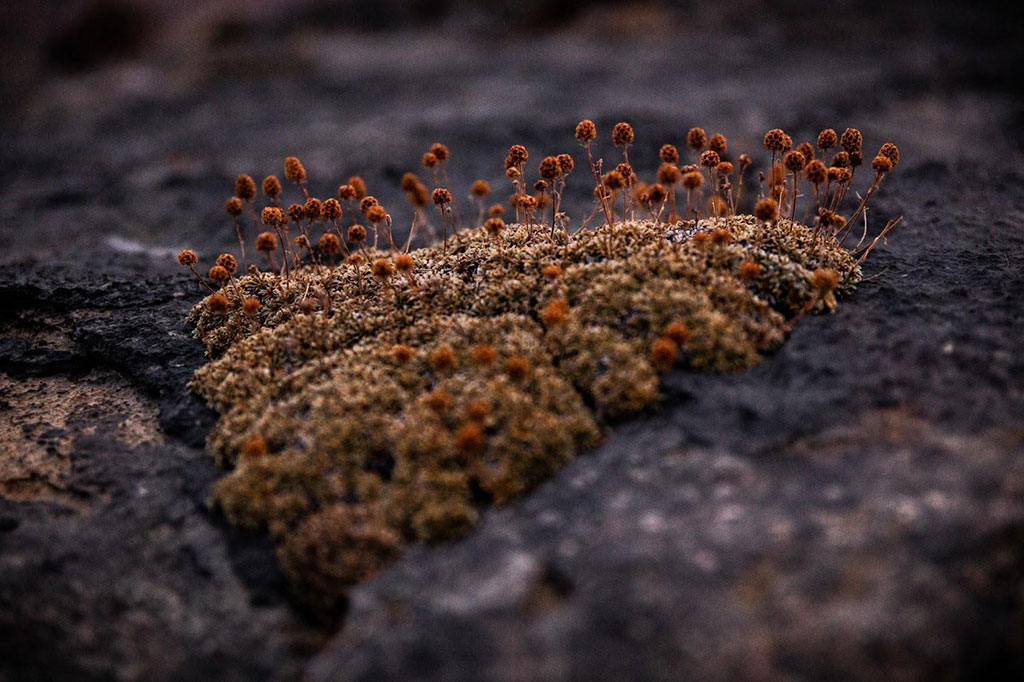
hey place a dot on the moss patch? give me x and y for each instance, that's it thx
(360, 414)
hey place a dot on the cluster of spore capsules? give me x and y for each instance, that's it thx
(373, 395)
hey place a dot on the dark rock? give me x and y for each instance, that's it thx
(853, 508)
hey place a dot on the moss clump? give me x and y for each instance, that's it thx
(363, 412)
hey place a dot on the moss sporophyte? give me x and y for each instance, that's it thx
(372, 395)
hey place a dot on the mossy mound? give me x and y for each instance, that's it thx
(360, 413)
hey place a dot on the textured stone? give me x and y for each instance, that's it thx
(853, 508)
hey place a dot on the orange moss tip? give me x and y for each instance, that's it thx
(329, 243)
(347, 192)
(668, 153)
(409, 182)
(700, 238)
(313, 208)
(750, 270)
(218, 304)
(693, 180)
(439, 401)
(483, 354)
(677, 331)
(234, 206)
(710, 158)
(219, 274)
(881, 164)
(852, 140)
(721, 235)
(827, 139)
(187, 257)
(266, 242)
(382, 269)
(565, 163)
(442, 358)
(251, 306)
(357, 234)
(841, 160)
(331, 210)
(807, 149)
(549, 167)
(297, 212)
(724, 168)
(366, 202)
(831, 219)
(376, 213)
(816, 172)
(556, 312)
(517, 154)
(613, 180)
(418, 195)
(668, 173)
(622, 134)
(718, 144)
(824, 280)
(656, 194)
(766, 209)
(551, 271)
(441, 197)
(696, 138)
(273, 216)
(358, 186)
(775, 140)
(664, 353)
(480, 188)
(839, 175)
(403, 354)
(429, 160)
(254, 447)
(439, 151)
(469, 438)
(494, 226)
(526, 201)
(271, 187)
(294, 171)
(405, 263)
(891, 152)
(477, 411)
(228, 262)
(245, 187)
(794, 161)
(586, 131)
(517, 368)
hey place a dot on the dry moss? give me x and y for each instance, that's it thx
(361, 448)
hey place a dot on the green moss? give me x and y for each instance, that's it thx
(366, 453)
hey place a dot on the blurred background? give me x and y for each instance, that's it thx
(124, 122)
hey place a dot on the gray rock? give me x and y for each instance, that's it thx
(853, 508)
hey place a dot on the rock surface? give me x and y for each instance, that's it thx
(853, 508)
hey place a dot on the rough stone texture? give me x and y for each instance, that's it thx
(851, 509)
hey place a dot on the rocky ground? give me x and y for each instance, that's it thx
(853, 508)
